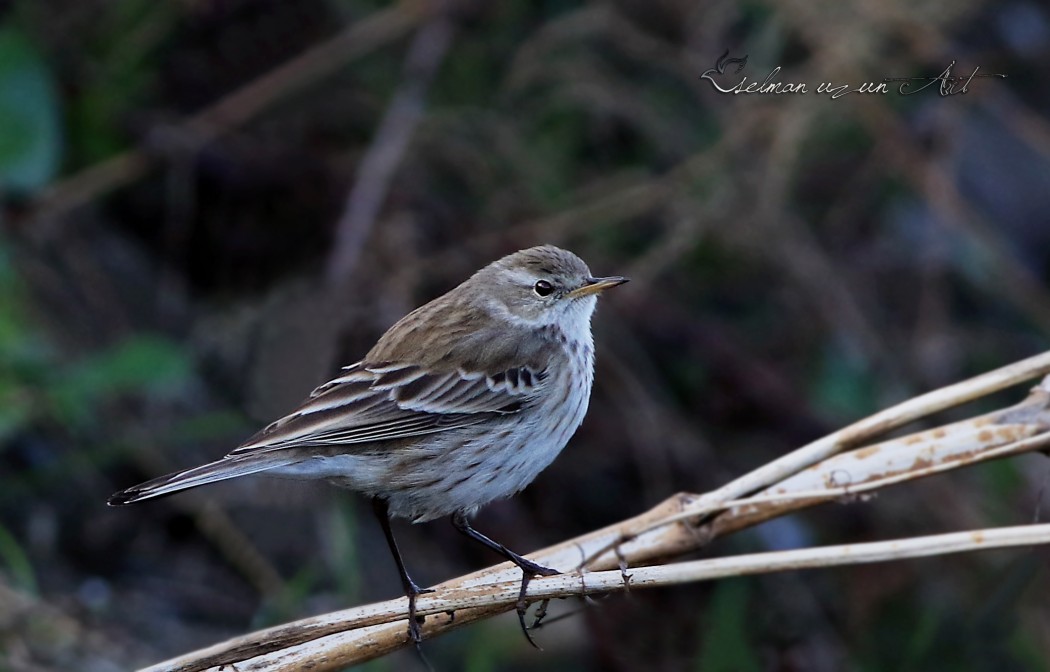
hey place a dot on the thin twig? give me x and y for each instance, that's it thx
(235, 109)
(379, 163)
(1012, 431)
(336, 639)
(882, 422)
(505, 593)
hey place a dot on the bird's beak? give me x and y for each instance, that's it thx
(596, 286)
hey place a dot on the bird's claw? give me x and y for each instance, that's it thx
(415, 623)
(529, 570)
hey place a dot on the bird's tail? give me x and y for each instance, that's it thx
(220, 470)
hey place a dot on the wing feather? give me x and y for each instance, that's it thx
(368, 404)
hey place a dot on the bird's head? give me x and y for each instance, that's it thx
(541, 286)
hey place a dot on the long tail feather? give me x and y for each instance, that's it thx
(220, 470)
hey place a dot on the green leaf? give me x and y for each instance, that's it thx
(30, 126)
(289, 600)
(844, 385)
(726, 645)
(344, 544)
(143, 364)
(210, 425)
(17, 562)
(16, 409)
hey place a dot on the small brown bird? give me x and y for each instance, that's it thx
(465, 400)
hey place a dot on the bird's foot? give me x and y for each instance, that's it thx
(529, 570)
(415, 623)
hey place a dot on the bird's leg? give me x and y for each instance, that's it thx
(382, 511)
(529, 569)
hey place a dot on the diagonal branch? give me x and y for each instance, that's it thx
(505, 593)
(684, 523)
(237, 108)
(380, 162)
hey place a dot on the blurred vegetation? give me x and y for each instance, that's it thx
(175, 181)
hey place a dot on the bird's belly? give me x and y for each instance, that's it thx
(490, 466)
(458, 470)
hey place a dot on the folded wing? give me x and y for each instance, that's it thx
(379, 402)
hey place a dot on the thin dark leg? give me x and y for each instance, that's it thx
(382, 511)
(529, 568)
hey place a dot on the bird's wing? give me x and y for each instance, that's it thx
(379, 402)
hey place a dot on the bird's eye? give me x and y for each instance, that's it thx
(543, 288)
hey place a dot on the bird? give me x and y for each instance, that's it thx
(463, 401)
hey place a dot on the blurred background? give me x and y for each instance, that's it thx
(211, 205)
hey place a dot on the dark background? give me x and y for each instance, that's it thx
(179, 267)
